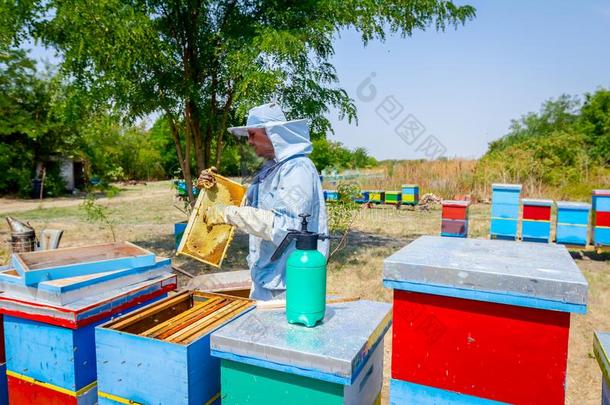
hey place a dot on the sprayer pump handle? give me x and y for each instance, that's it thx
(304, 221)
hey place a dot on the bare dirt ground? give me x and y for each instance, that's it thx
(145, 216)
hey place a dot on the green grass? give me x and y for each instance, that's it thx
(49, 214)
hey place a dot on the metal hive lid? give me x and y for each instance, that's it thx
(539, 275)
(537, 202)
(573, 205)
(337, 347)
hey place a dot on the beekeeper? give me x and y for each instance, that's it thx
(286, 185)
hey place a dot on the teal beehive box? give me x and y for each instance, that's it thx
(265, 360)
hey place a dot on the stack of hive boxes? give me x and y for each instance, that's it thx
(573, 223)
(601, 217)
(410, 194)
(377, 196)
(161, 353)
(476, 318)
(536, 225)
(454, 221)
(393, 198)
(505, 211)
(363, 197)
(51, 302)
(331, 195)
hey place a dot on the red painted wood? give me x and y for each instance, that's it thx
(72, 322)
(536, 212)
(500, 352)
(25, 393)
(454, 212)
(2, 351)
(602, 218)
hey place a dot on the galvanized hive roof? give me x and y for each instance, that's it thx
(333, 351)
(516, 273)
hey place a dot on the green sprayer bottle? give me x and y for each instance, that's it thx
(305, 276)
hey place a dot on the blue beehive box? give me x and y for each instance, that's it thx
(601, 200)
(536, 231)
(48, 327)
(601, 236)
(69, 290)
(601, 217)
(179, 228)
(536, 221)
(505, 193)
(410, 194)
(363, 198)
(504, 228)
(3, 385)
(43, 265)
(59, 351)
(573, 223)
(331, 195)
(505, 211)
(161, 353)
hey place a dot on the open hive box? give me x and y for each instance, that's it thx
(34, 267)
(51, 302)
(182, 318)
(161, 353)
(64, 291)
(209, 243)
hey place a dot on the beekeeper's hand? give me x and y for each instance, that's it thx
(207, 178)
(214, 214)
(253, 221)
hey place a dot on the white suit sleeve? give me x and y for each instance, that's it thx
(253, 221)
(294, 196)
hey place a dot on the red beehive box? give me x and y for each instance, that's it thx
(537, 210)
(27, 392)
(480, 320)
(463, 346)
(602, 218)
(455, 209)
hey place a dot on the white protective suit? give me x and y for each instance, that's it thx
(285, 187)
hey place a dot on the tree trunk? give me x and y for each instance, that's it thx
(187, 165)
(183, 157)
(193, 122)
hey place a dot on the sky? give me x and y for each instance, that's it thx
(453, 92)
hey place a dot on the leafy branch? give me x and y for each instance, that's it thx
(342, 213)
(97, 213)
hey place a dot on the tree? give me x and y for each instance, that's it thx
(566, 146)
(555, 115)
(328, 154)
(203, 64)
(595, 123)
(33, 127)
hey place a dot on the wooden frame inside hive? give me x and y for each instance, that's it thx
(183, 318)
(209, 243)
